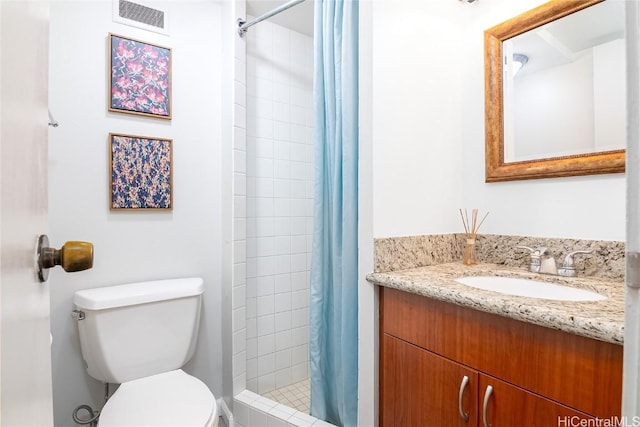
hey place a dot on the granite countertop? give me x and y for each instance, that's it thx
(602, 320)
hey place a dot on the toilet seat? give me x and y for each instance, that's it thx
(169, 399)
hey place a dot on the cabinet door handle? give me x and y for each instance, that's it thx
(485, 406)
(463, 386)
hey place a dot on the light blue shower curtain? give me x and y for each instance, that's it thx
(333, 329)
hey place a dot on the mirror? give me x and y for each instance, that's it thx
(563, 113)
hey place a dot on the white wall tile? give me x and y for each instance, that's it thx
(283, 377)
(241, 413)
(298, 262)
(264, 227)
(299, 354)
(251, 307)
(252, 327)
(280, 149)
(283, 302)
(239, 184)
(239, 341)
(282, 226)
(265, 285)
(300, 317)
(299, 299)
(281, 131)
(299, 372)
(283, 321)
(251, 265)
(239, 138)
(239, 251)
(266, 345)
(298, 244)
(265, 245)
(297, 133)
(283, 340)
(282, 245)
(266, 325)
(283, 359)
(240, 363)
(299, 336)
(264, 168)
(281, 92)
(252, 368)
(239, 297)
(239, 319)
(265, 267)
(300, 280)
(264, 147)
(257, 418)
(298, 152)
(282, 283)
(266, 364)
(264, 187)
(298, 170)
(264, 206)
(264, 306)
(266, 383)
(273, 421)
(298, 226)
(282, 169)
(239, 272)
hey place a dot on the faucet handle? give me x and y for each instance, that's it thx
(531, 250)
(534, 259)
(568, 260)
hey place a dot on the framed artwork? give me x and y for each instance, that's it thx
(141, 172)
(139, 78)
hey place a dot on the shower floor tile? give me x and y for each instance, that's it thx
(296, 396)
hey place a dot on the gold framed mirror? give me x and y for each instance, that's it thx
(496, 168)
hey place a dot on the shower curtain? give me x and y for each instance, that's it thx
(333, 329)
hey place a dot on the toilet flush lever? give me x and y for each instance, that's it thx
(77, 315)
(73, 256)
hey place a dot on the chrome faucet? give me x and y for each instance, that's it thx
(542, 261)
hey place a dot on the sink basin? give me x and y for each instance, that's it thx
(529, 288)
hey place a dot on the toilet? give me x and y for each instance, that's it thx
(139, 335)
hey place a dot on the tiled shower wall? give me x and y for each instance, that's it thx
(279, 205)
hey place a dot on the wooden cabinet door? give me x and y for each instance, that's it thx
(421, 389)
(509, 405)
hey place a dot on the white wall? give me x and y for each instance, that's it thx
(279, 205)
(428, 134)
(133, 246)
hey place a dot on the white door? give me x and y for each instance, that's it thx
(631, 376)
(25, 352)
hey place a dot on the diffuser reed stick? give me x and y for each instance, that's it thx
(471, 230)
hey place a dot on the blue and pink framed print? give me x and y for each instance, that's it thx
(140, 77)
(141, 172)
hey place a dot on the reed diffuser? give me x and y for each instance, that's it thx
(471, 229)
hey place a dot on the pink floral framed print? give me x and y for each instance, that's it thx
(140, 77)
(141, 172)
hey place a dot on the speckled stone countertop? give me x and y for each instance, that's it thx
(602, 320)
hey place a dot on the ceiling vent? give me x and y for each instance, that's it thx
(140, 14)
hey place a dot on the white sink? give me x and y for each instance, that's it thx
(529, 288)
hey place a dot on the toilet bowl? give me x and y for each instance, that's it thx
(168, 399)
(140, 335)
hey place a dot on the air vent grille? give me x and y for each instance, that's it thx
(143, 14)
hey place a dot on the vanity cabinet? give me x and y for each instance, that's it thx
(538, 376)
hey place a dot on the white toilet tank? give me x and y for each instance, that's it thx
(139, 329)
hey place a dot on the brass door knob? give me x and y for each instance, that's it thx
(73, 256)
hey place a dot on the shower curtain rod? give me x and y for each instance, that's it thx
(243, 25)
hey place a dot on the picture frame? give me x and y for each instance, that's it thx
(139, 78)
(141, 172)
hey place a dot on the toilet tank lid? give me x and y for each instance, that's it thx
(137, 293)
